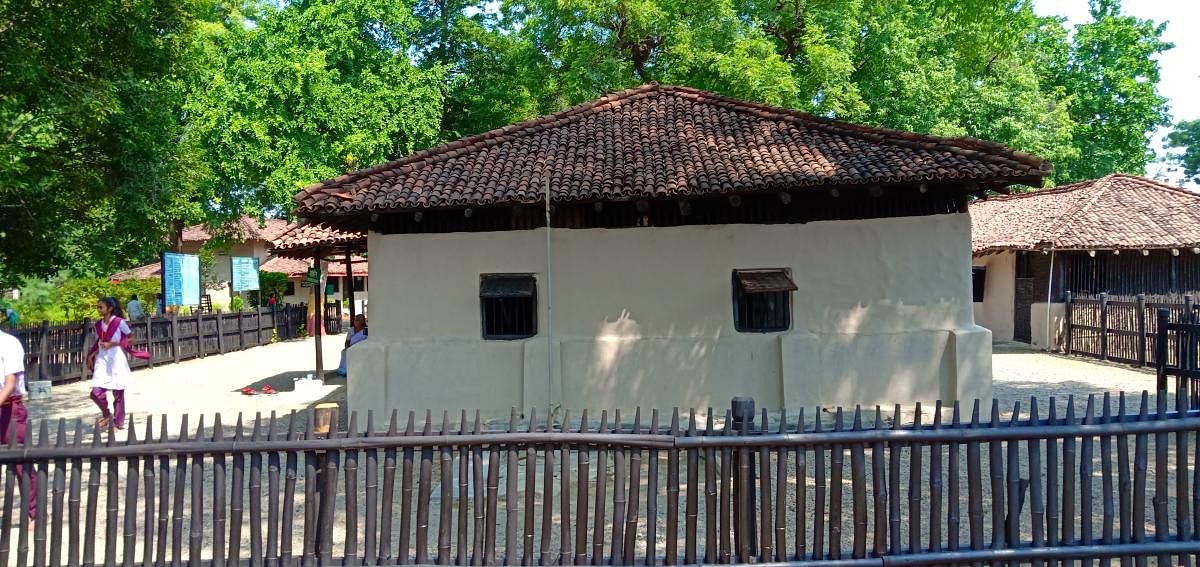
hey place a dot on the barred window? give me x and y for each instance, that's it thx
(508, 306)
(762, 300)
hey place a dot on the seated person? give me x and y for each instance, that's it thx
(356, 335)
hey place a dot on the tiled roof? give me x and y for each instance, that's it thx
(300, 239)
(139, 273)
(662, 141)
(297, 268)
(245, 228)
(1114, 212)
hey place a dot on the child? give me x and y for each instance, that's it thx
(110, 367)
(13, 417)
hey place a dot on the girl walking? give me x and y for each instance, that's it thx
(110, 367)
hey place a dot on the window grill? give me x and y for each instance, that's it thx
(508, 306)
(762, 300)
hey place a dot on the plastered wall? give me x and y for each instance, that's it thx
(644, 317)
(995, 312)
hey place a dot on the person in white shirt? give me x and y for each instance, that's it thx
(133, 309)
(13, 417)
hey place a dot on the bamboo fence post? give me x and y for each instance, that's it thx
(953, 473)
(42, 477)
(271, 553)
(350, 552)
(59, 489)
(1086, 448)
(511, 556)
(1106, 471)
(406, 496)
(764, 529)
(974, 486)
(256, 496)
(691, 511)
(23, 476)
(914, 487)
(1053, 495)
(1069, 481)
(635, 483)
(480, 487)
(219, 498)
(996, 475)
(878, 489)
(131, 499)
(619, 497)
(1139, 482)
(1162, 442)
(388, 497)
(837, 454)
(1037, 505)
(581, 494)
(725, 479)
(819, 514)
(291, 476)
(445, 498)
(527, 538)
(858, 477)
(445, 515)
(424, 494)
(149, 524)
(935, 485)
(493, 485)
(566, 553)
(894, 457)
(74, 505)
(601, 486)
(371, 508)
(672, 548)
(176, 504)
(464, 494)
(548, 498)
(196, 533)
(651, 496)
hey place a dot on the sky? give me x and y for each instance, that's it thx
(1180, 67)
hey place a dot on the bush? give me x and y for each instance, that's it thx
(236, 304)
(268, 283)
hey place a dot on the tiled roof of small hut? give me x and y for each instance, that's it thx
(244, 228)
(658, 141)
(295, 268)
(139, 273)
(1117, 211)
(300, 240)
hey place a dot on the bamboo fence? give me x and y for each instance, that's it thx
(1111, 482)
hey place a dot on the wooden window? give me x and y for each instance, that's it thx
(508, 306)
(978, 280)
(762, 300)
(360, 283)
(290, 289)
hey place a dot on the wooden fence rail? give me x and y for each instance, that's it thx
(57, 353)
(1122, 329)
(1051, 484)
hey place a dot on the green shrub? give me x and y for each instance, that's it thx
(236, 304)
(268, 283)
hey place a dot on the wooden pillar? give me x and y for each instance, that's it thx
(1070, 305)
(44, 352)
(349, 291)
(1141, 328)
(1103, 326)
(319, 316)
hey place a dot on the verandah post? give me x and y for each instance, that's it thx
(1160, 348)
(1103, 326)
(44, 352)
(1141, 328)
(1070, 306)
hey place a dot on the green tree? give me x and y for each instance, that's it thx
(90, 91)
(1186, 138)
(1113, 76)
(305, 92)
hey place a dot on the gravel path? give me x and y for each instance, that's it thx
(207, 386)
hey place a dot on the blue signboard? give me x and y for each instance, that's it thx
(180, 279)
(245, 272)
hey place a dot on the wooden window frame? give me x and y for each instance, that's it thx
(490, 305)
(746, 303)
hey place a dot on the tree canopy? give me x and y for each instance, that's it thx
(1186, 139)
(121, 120)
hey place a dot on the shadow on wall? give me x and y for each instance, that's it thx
(871, 361)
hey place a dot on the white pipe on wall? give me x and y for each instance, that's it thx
(549, 311)
(1049, 294)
